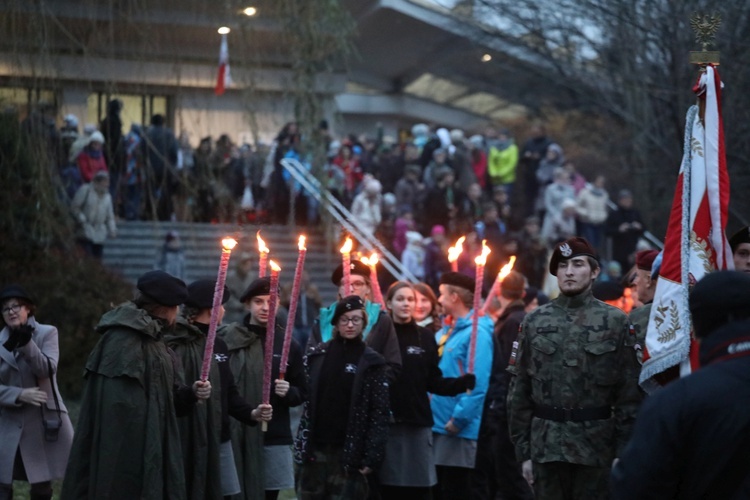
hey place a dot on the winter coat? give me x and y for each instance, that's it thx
(127, 442)
(554, 196)
(413, 259)
(368, 418)
(691, 439)
(592, 205)
(246, 363)
(89, 163)
(465, 409)
(21, 424)
(203, 430)
(502, 162)
(407, 193)
(366, 212)
(94, 214)
(379, 333)
(420, 374)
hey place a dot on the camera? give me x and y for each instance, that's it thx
(51, 429)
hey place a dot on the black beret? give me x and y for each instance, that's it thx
(261, 286)
(572, 247)
(15, 292)
(458, 279)
(356, 267)
(350, 303)
(163, 288)
(607, 290)
(721, 291)
(201, 294)
(741, 236)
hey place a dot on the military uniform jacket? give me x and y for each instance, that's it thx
(639, 318)
(575, 352)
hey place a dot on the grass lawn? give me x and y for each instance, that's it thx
(21, 489)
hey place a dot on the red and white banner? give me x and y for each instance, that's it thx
(695, 243)
(224, 78)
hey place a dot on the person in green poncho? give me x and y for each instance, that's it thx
(206, 446)
(127, 441)
(264, 462)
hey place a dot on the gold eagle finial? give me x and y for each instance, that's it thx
(705, 27)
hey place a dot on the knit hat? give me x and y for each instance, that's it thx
(459, 280)
(572, 247)
(163, 288)
(96, 137)
(201, 294)
(350, 303)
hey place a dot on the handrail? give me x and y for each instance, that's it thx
(343, 216)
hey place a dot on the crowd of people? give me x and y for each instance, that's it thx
(415, 194)
(420, 396)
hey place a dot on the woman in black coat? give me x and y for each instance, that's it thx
(409, 469)
(344, 427)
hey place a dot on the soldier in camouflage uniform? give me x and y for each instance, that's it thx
(646, 286)
(573, 397)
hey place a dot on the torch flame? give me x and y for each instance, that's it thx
(262, 248)
(228, 244)
(274, 267)
(347, 248)
(301, 244)
(373, 259)
(455, 250)
(506, 269)
(482, 259)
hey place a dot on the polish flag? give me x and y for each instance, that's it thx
(224, 78)
(695, 243)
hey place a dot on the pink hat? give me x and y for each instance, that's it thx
(437, 230)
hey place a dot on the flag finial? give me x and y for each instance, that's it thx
(705, 27)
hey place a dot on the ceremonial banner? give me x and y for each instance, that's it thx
(695, 243)
(223, 79)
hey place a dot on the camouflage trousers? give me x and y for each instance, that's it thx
(325, 478)
(565, 481)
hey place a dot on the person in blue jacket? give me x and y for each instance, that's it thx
(457, 418)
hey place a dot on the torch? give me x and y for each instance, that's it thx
(263, 250)
(227, 244)
(346, 252)
(270, 329)
(480, 261)
(504, 271)
(292, 307)
(377, 294)
(454, 252)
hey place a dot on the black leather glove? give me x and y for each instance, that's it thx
(24, 336)
(469, 381)
(19, 337)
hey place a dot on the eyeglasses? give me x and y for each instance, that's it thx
(12, 309)
(357, 284)
(356, 320)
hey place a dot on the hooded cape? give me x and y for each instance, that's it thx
(246, 363)
(127, 443)
(200, 431)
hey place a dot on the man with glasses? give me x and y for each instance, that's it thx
(378, 333)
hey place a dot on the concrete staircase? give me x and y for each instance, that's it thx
(138, 244)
